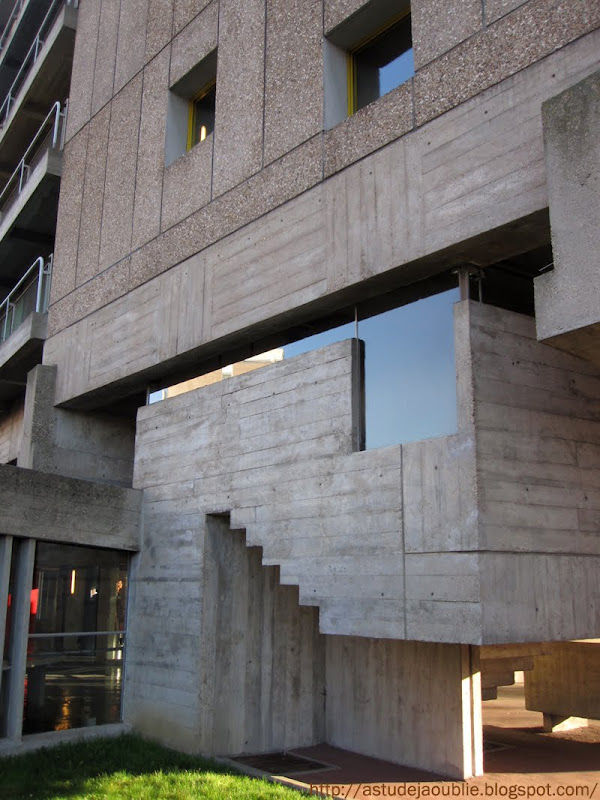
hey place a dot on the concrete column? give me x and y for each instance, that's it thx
(5, 555)
(471, 712)
(25, 554)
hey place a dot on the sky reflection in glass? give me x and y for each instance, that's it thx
(410, 380)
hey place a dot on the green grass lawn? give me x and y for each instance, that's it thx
(125, 768)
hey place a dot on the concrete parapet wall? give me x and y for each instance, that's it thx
(36, 505)
(537, 419)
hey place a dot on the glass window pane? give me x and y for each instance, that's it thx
(73, 674)
(72, 682)
(384, 63)
(410, 375)
(78, 589)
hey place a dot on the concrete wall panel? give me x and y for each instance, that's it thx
(121, 171)
(516, 41)
(494, 9)
(184, 12)
(187, 183)
(151, 151)
(84, 61)
(194, 43)
(159, 26)
(108, 35)
(293, 75)
(437, 27)
(131, 47)
(69, 217)
(240, 93)
(93, 197)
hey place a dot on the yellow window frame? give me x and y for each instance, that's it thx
(192, 112)
(351, 70)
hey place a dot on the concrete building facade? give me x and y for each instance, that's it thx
(237, 177)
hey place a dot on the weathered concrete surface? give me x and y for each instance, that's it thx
(568, 298)
(48, 507)
(476, 168)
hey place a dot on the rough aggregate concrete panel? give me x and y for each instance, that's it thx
(369, 129)
(494, 9)
(131, 48)
(121, 170)
(240, 93)
(194, 43)
(151, 151)
(184, 11)
(437, 27)
(293, 76)
(569, 297)
(187, 184)
(93, 198)
(336, 11)
(159, 26)
(50, 507)
(108, 35)
(514, 42)
(69, 216)
(84, 61)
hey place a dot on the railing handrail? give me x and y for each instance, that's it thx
(10, 22)
(42, 267)
(55, 111)
(35, 49)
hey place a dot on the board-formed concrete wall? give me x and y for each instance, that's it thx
(537, 418)
(223, 655)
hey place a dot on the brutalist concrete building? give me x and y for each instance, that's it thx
(355, 540)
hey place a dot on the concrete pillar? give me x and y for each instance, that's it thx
(472, 726)
(5, 556)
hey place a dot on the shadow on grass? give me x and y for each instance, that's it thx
(115, 768)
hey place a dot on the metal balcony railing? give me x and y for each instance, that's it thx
(31, 293)
(49, 135)
(8, 28)
(32, 54)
